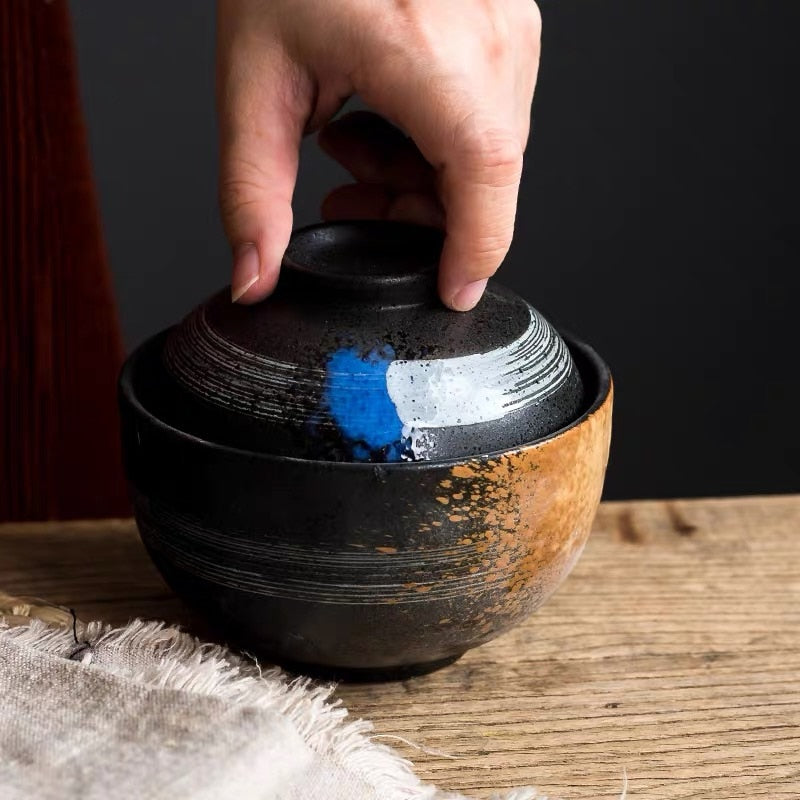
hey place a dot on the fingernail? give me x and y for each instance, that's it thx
(245, 270)
(467, 297)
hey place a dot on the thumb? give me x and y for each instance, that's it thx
(263, 104)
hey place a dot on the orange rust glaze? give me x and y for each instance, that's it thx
(526, 515)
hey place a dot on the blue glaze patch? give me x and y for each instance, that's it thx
(357, 399)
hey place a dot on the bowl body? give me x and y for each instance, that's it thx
(362, 570)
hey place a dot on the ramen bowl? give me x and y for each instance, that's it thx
(341, 554)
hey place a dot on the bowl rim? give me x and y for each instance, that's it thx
(127, 395)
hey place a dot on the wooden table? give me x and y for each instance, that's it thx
(672, 652)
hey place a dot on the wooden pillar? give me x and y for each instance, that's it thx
(60, 345)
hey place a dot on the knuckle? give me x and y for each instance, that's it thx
(494, 153)
(495, 247)
(237, 195)
(487, 253)
(242, 186)
(501, 150)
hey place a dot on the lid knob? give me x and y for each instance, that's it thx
(389, 262)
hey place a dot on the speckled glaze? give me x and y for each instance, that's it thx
(360, 570)
(354, 358)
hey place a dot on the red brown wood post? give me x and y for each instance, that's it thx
(60, 345)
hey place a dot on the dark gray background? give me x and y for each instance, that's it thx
(657, 219)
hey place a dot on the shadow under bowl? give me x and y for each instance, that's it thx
(362, 571)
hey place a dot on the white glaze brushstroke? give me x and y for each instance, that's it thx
(427, 394)
(482, 387)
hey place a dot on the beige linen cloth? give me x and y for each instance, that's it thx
(147, 712)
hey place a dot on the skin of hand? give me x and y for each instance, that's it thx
(452, 83)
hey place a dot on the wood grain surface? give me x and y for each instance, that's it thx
(672, 653)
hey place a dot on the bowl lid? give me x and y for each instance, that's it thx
(354, 358)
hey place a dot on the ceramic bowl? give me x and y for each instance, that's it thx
(332, 556)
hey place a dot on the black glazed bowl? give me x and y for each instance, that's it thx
(363, 571)
(375, 568)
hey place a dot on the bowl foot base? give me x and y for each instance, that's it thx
(366, 674)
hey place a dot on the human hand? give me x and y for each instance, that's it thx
(457, 75)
